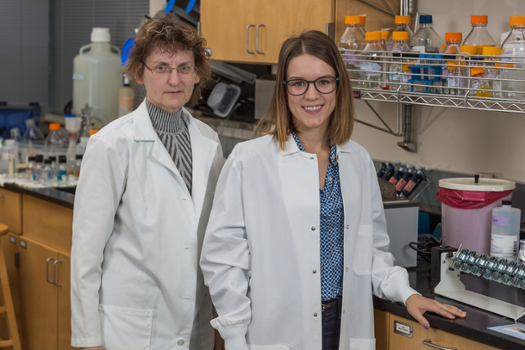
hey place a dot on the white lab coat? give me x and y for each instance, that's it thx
(137, 237)
(261, 252)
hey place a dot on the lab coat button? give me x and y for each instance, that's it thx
(347, 226)
(313, 228)
(312, 159)
(329, 178)
(347, 269)
(315, 315)
(314, 271)
(180, 342)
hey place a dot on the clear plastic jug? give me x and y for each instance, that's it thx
(97, 77)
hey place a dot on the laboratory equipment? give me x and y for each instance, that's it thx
(73, 125)
(425, 40)
(351, 40)
(453, 42)
(32, 133)
(505, 234)
(402, 25)
(371, 65)
(479, 35)
(97, 77)
(54, 139)
(513, 50)
(399, 44)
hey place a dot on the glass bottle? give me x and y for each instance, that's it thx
(29, 168)
(513, 49)
(351, 40)
(399, 44)
(62, 170)
(425, 40)
(32, 133)
(362, 24)
(452, 42)
(370, 66)
(402, 25)
(454, 78)
(37, 170)
(47, 173)
(384, 38)
(479, 35)
(480, 86)
(491, 72)
(467, 53)
(54, 139)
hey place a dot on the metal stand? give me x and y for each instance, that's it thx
(451, 287)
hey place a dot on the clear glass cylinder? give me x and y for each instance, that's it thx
(425, 40)
(351, 40)
(371, 66)
(513, 51)
(479, 35)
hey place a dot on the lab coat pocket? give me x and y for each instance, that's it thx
(364, 250)
(362, 344)
(269, 347)
(124, 328)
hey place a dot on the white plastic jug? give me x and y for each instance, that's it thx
(97, 77)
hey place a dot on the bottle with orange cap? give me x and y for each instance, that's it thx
(454, 77)
(351, 40)
(402, 25)
(513, 50)
(492, 70)
(479, 35)
(452, 42)
(54, 139)
(384, 38)
(362, 24)
(371, 65)
(399, 44)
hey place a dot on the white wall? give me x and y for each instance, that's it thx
(455, 140)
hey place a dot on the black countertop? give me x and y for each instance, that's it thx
(475, 325)
(61, 196)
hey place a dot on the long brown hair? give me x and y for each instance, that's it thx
(169, 34)
(278, 120)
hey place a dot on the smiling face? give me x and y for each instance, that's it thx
(168, 93)
(313, 109)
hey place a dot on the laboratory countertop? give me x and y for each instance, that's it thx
(61, 196)
(475, 325)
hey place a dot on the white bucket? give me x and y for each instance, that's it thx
(471, 227)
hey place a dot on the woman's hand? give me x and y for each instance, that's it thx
(418, 305)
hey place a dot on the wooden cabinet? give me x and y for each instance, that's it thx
(420, 334)
(11, 210)
(252, 31)
(38, 265)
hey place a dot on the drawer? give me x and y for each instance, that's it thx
(48, 223)
(11, 210)
(419, 334)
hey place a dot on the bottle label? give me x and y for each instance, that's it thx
(499, 221)
(370, 66)
(420, 49)
(349, 59)
(393, 180)
(410, 186)
(504, 246)
(400, 185)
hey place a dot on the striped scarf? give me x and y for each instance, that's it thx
(173, 132)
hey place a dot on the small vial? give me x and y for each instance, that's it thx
(476, 270)
(482, 261)
(487, 274)
(37, 169)
(29, 168)
(465, 268)
(47, 173)
(506, 279)
(497, 276)
(515, 282)
(462, 256)
(62, 170)
(457, 265)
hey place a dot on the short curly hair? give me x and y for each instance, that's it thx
(169, 34)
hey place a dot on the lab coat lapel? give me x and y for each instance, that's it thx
(203, 152)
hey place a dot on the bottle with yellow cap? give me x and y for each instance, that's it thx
(402, 25)
(513, 50)
(452, 42)
(399, 44)
(351, 40)
(479, 35)
(480, 86)
(371, 66)
(492, 70)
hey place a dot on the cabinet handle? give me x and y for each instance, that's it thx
(257, 39)
(248, 38)
(55, 273)
(428, 342)
(47, 271)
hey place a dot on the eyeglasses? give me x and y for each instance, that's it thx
(165, 71)
(298, 87)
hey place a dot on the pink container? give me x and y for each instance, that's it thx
(466, 210)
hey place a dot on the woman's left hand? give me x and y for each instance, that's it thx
(418, 305)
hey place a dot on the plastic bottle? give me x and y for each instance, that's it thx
(404, 180)
(479, 35)
(425, 40)
(9, 157)
(62, 170)
(47, 173)
(370, 66)
(397, 175)
(384, 38)
(513, 49)
(32, 133)
(381, 170)
(414, 182)
(37, 170)
(399, 44)
(455, 80)
(493, 74)
(351, 40)
(97, 77)
(389, 171)
(78, 163)
(54, 165)
(505, 231)
(402, 25)
(126, 98)
(362, 24)
(480, 86)
(54, 139)
(29, 168)
(453, 42)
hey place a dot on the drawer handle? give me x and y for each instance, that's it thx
(257, 38)
(47, 271)
(248, 38)
(428, 342)
(55, 273)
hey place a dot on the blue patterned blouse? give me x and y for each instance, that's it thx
(332, 229)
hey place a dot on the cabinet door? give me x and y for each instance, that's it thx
(64, 301)
(224, 25)
(38, 297)
(437, 337)
(282, 19)
(11, 210)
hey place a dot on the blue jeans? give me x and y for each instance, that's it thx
(332, 325)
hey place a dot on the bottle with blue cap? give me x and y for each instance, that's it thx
(425, 40)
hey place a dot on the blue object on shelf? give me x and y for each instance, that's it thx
(169, 6)
(126, 50)
(190, 6)
(15, 117)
